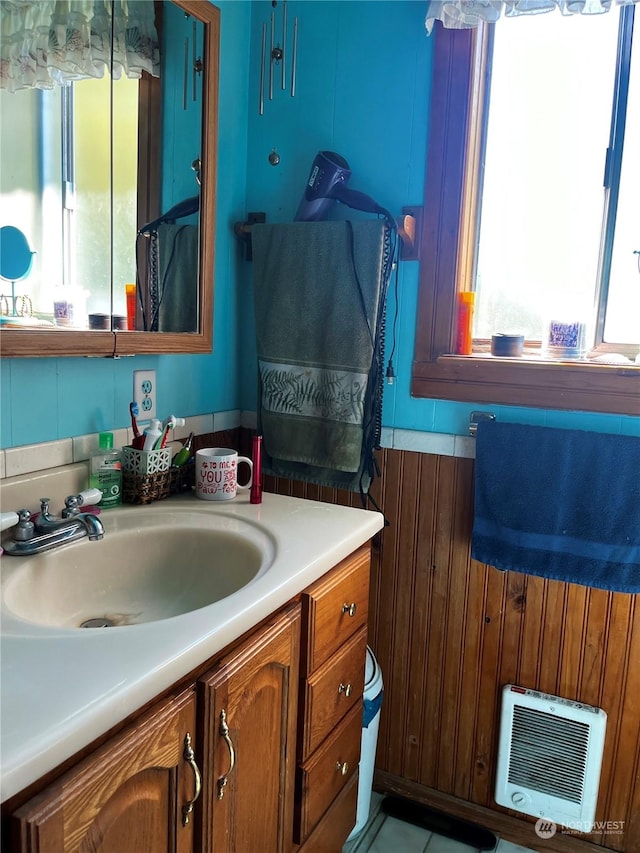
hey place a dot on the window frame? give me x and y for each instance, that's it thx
(613, 169)
(450, 220)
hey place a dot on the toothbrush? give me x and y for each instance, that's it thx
(138, 437)
(162, 441)
(134, 412)
(171, 423)
(184, 453)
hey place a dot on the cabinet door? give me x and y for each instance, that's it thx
(126, 797)
(249, 703)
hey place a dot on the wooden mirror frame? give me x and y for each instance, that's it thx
(61, 342)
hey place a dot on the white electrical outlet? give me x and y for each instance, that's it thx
(144, 393)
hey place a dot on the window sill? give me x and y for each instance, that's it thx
(483, 378)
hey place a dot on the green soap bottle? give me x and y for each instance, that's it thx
(106, 472)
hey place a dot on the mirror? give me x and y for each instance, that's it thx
(16, 261)
(171, 218)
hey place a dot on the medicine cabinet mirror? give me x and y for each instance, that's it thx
(125, 169)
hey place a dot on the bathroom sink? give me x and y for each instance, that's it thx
(152, 564)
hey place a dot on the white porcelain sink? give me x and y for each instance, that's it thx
(152, 564)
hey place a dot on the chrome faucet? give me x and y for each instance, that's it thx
(47, 532)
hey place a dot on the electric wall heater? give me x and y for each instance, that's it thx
(549, 757)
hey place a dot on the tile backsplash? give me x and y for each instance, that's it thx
(18, 461)
(56, 469)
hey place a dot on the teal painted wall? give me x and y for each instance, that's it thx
(362, 90)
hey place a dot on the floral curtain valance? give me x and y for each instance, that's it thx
(44, 43)
(463, 14)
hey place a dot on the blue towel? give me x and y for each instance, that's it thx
(556, 503)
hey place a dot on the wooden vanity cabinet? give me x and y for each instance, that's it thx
(128, 796)
(275, 724)
(249, 703)
(334, 643)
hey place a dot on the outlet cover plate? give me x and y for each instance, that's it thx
(144, 393)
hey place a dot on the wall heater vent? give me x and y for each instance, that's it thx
(549, 756)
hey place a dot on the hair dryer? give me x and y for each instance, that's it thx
(178, 211)
(327, 183)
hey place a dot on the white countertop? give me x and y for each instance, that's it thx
(62, 688)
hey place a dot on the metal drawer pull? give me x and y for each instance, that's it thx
(189, 756)
(345, 688)
(349, 608)
(342, 768)
(224, 732)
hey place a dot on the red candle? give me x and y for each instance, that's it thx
(130, 291)
(255, 496)
(464, 332)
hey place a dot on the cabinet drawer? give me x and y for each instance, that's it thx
(335, 607)
(325, 774)
(332, 690)
(335, 826)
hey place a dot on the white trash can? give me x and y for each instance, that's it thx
(373, 690)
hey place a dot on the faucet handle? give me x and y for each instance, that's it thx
(71, 506)
(24, 529)
(90, 496)
(74, 503)
(8, 519)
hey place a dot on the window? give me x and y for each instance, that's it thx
(101, 157)
(542, 200)
(75, 155)
(457, 211)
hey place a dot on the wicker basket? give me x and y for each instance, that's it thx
(146, 475)
(182, 479)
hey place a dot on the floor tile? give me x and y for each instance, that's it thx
(376, 800)
(363, 841)
(385, 834)
(396, 836)
(442, 844)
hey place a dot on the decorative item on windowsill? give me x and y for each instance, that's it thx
(464, 322)
(566, 339)
(509, 346)
(566, 329)
(146, 475)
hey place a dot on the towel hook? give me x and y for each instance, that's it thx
(475, 419)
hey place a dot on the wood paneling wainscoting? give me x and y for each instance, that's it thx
(449, 632)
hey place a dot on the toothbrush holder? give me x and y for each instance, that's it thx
(145, 475)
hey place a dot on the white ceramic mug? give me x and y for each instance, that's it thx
(217, 473)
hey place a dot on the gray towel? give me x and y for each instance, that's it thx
(319, 295)
(177, 285)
